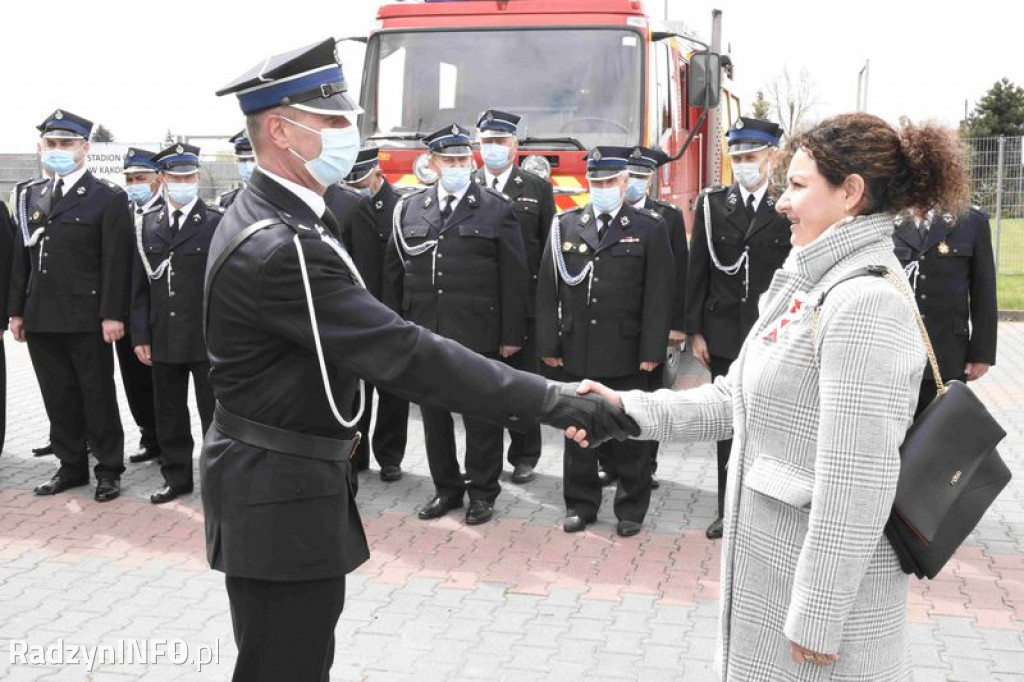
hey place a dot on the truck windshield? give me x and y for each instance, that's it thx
(582, 83)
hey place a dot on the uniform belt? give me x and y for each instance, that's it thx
(281, 440)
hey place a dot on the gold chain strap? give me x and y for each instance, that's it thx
(901, 284)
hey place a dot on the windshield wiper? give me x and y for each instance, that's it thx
(397, 136)
(561, 140)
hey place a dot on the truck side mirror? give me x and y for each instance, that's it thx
(705, 81)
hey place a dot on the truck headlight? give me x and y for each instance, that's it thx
(421, 169)
(538, 165)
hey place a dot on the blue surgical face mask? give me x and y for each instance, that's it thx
(605, 199)
(245, 169)
(339, 148)
(495, 156)
(60, 161)
(454, 179)
(140, 192)
(636, 189)
(182, 192)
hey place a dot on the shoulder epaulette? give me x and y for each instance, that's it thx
(666, 204)
(649, 213)
(713, 189)
(494, 192)
(574, 209)
(980, 211)
(215, 208)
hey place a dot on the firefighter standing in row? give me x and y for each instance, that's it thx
(366, 238)
(738, 242)
(949, 262)
(607, 279)
(533, 202)
(456, 265)
(69, 300)
(167, 311)
(245, 161)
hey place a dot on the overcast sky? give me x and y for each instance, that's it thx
(143, 68)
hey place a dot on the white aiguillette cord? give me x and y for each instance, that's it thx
(347, 259)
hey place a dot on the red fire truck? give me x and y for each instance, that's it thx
(581, 73)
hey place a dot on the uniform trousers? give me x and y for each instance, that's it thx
(138, 389)
(720, 367)
(3, 392)
(390, 432)
(173, 421)
(631, 459)
(76, 378)
(284, 630)
(524, 446)
(483, 455)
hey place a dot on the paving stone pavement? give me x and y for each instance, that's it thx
(513, 599)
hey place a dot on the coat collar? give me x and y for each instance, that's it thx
(841, 240)
(466, 207)
(74, 196)
(765, 212)
(276, 194)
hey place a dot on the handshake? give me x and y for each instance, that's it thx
(564, 407)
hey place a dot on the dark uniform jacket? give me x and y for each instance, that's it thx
(718, 306)
(607, 327)
(343, 202)
(366, 235)
(274, 516)
(474, 289)
(7, 230)
(956, 287)
(167, 313)
(673, 218)
(225, 199)
(533, 202)
(79, 271)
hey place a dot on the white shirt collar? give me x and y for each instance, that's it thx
(641, 203)
(71, 179)
(315, 202)
(186, 211)
(502, 178)
(758, 195)
(442, 196)
(613, 214)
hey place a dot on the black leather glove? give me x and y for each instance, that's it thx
(564, 407)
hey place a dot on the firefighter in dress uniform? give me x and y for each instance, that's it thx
(366, 240)
(738, 242)
(603, 311)
(245, 161)
(143, 185)
(456, 265)
(69, 300)
(7, 229)
(534, 205)
(949, 262)
(171, 244)
(290, 331)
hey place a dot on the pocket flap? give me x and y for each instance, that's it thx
(783, 481)
(482, 231)
(415, 231)
(631, 249)
(287, 479)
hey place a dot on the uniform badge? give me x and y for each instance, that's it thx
(624, 221)
(739, 124)
(196, 218)
(948, 217)
(455, 129)
(489, 117)
(630, 240)
(81, 191)
(567, 247)
(518, 180)
(770, 201)
(379, 205)
(179, 149)
(596, 156)
(471, 200)
(732, 199)
(58, 114)
(637, 153)
(37, 215)
(427, 202)
(583, 248)
(131, 153)
(944, 247)
(585, 219)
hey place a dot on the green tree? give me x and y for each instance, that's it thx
(999, 112)
(761, 106)
(102, 134)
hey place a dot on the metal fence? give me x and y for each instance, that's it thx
(997, 175)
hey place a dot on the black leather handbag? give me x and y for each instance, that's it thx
(950, 470)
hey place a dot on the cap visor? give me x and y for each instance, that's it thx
(640, 170)
(131, 170)
(182, 170)
(61, 134)
(490, 134)
(604, 174)
(456, 150)
(746, 147)
(338, 104)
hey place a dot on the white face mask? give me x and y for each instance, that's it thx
(749, 175)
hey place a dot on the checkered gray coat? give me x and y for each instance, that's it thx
(817, 410)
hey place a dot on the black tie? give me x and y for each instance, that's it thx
(494, 183)
(58, 191)
(750, 208)
(922, 228)
(176, 224)
(447, 210)
(603, 221)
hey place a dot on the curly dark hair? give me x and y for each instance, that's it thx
(914, 167)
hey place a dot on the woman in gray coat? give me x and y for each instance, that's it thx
(817, 405)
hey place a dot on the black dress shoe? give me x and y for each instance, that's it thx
(169, 492)
(146, 455)
(389, 473)
(466, 477)
(480, 511)
(574, 523)
(438, 507)
(107, 489)
(627, 529)
(655, 483)
(714, 531)
(59, 484)
(522, 473)
(43, 451)
(606, 477)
